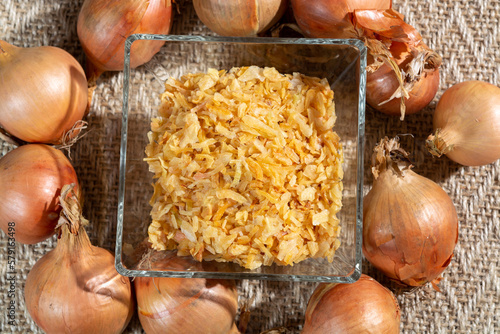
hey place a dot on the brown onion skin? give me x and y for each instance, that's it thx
(467, 117)
(43, 92)
(410, 227)
(329, 18)
(239, 18)
(75, 288)
(104, 25)
(364, 306)
(31, 178)
(185, 305)
(381, 84)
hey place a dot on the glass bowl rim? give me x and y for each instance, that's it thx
(357, 269)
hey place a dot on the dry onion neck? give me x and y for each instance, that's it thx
(423, 60)
(388, 155)
(169, 304)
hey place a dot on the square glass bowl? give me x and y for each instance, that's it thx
(342, 62)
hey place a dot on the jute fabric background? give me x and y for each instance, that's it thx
(464, 32)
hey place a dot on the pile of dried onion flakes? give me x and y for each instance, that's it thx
(247, 168)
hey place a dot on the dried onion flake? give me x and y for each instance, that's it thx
(247, 168)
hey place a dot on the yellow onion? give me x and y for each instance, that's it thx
(75, 287)
(467, 124)
(240, 18)
(331, 19)
(104, 25)
(364, 306)
(410, 225)
(43, 93)
(184, 305)
(402, 71)
(31, 179)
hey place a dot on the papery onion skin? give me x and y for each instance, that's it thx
(364, 306)
(419, 68)
(381, 84)
(75, 288)
(239, 18)
(31, 178)
(385, 24)
(184, 305)
(331, 19)
(414, 74)
(43, 92)
(104, 25)
(467, 124)
(410, 224)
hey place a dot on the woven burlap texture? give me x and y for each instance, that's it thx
(465, 33)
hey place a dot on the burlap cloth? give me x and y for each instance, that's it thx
(465, 33)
